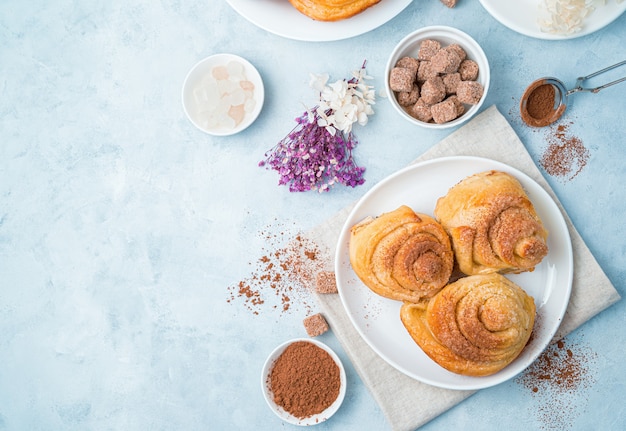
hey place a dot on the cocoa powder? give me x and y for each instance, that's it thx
(304, 380)
(558, 379)
(283, 278)
(565, 155)
(541, 101)
(537, 105)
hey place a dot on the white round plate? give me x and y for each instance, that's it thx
(203, 68)
(521, 16)
(377, 319)
(278, 410)
(281, 18)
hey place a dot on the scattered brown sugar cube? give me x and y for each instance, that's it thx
(458, 49)
(433, 91)
(409, 98)
(469, 92)
(401, 79)
(449, 3)
(409, 63)
(425, 71)
(445, 61)
(451, 81)
(468, 70)
(460, 108)
(444, 111)
(325, 282)
(315, 325)
(427, 49)
(421, 111)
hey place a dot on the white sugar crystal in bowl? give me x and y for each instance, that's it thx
(223, 94)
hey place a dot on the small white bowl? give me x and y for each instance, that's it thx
(278, 410)
(193, 81)
(409, 46)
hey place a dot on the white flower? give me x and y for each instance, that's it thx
(343, 103)
(318, 82)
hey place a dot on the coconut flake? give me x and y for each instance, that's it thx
(566, 17)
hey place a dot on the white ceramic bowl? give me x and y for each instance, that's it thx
(198, 113)
(278, 410)
(409, 46)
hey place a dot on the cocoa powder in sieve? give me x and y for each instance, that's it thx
(537, 105)
(305, 380)
(541, 101)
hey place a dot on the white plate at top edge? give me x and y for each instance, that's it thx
(377, 319)
(281, 18)
(521, 17)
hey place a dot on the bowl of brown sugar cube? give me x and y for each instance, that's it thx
(437, 77)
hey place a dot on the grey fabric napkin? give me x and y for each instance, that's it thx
(485, 136)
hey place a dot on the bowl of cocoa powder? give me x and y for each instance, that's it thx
(303, 381)
(437, 77)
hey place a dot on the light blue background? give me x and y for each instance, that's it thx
(122, 226)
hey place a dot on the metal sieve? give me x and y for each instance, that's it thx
(562, 94)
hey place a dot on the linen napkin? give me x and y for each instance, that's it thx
(488, 135)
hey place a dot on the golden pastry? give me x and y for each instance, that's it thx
(475, 326)
(332, 10)
(492, 224)
(401, 254)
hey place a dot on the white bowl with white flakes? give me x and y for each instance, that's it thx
(223, 94)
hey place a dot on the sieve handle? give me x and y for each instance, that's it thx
(580, 80)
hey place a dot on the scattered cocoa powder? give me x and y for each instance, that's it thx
(565, 155)
(284, 277)
(557, 379)
(305, 380)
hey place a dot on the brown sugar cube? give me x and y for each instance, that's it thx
(444, 111)
(451, 81)
(458, 49)
(469, 92)
(445, 61)
(409, 63)
(449, 3)
(460, 108)
(421, 111)
(468, 70)
(433, 91)
(425, 71)
(427, 49)
(409, 98)
(325, 282)
(315, 325)
(401, 79)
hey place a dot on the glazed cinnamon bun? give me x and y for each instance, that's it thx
(493, 225)
(401, 254)
(475, 326)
